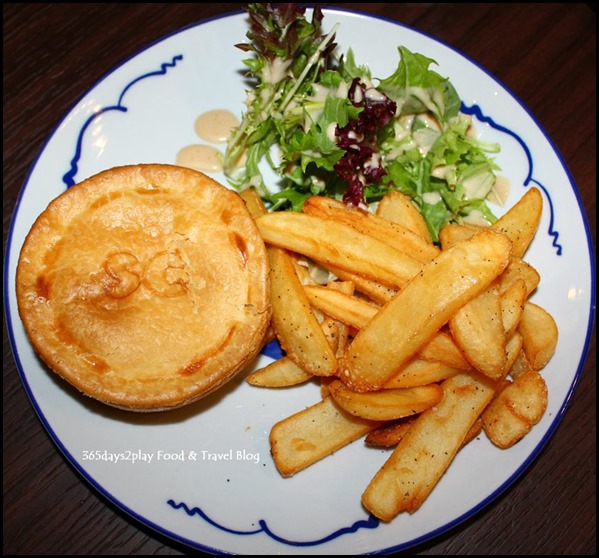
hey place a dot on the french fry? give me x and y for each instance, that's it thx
(330, 328)
(520, 364)
(516, 270)
(521, 221)
(331, 242)
(452, 233)
(442, 348)
(390, 433)
(346, 287)
(394, 234)
(387, 404)
(474, 431)
(280, 373)
(539, 335)
(421, 353)
(284, 372)
(404, 325)
(420, 372)
(513, 349)
(253, 202)
(399, 208)
(512, 306)
(310, 435)
(515, 409)
(430, 445)
(344, 307)
(298, 330)
(374, 290)
(478, 330)
(357, 312)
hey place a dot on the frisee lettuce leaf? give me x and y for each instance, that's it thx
(324, 126)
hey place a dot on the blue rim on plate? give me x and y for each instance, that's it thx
(555, 245)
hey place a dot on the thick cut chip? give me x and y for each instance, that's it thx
(344, 307)
(394, 234)
(442, 348)
(424, 453)
(513, 350)
(298, 330)
(478, 330)
(420, 372)
(316, 432)
(399, 208)
(517, 270)
(539, 335)
(520, 364)
(390, 433)
(516, 409)
(253, 202)
(512, 306)
(331, 242)
(343, 330)
(280, 373)
(406, 323)
(387, 404)
(452, 233)
(377, 292)
(520, 223)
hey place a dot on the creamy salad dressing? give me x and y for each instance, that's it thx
(203, 158)
(213, 126)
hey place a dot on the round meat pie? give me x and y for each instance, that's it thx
(145, 286)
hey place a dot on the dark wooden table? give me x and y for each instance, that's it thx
(53, 53)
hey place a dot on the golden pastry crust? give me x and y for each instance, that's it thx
(145, 286)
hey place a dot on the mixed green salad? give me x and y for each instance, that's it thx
(325, 126)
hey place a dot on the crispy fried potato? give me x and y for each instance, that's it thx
(344, 307)
(424, 453)
(516, 409)
(377, 292)
(280, 373)
(539, 335)
(446, 284)
(346, 287)
(521, 221)
(254, 202)
(428, 347)
(516, 270)
(478, 330)
(387, 404)
(298, 330)
(520, 364)
(420, 372)
(452, 233)
(331, 242)
(512, 306)
(513, 349)
(306, 437)
(442, 348)
(394, 234)
(399, 208)
(474, 431)
(357, 312)
(390, 433)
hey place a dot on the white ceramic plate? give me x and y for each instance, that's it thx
(230, 498)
